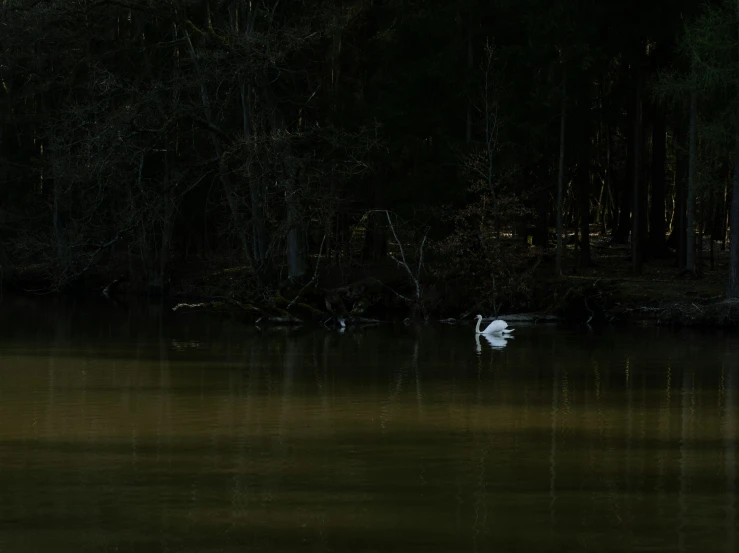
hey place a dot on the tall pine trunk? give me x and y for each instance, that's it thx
(289, 174)
(637, 254)
(561, 171)
(296, 250)
(583, 185)
(470, 72)
(733, 284)
(623, 228)
(692, 175)
(677, 239)
(260, 233)
(657, 207)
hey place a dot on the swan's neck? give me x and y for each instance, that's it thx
(477, 328)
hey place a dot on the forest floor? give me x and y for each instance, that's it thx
(608, 291)
(660, 294)
(660, 279)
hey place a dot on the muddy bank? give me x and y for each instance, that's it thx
(664, 304)
(591, 303)
(371, 300)
(718, 314)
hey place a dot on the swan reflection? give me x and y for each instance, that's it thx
(495, 341)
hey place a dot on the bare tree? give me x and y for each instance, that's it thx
(561, 170)
(733, 284)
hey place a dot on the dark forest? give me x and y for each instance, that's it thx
(366, 157)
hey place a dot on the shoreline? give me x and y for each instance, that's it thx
(594, 304)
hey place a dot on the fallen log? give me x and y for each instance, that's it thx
(533, 318)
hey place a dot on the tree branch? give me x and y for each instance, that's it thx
(415, 279)
(103, 246)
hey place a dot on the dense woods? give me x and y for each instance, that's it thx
(454, 154)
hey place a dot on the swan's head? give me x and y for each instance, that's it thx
(478, 317)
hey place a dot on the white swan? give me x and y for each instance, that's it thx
(496, 327)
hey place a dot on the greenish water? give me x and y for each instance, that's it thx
(123, 429)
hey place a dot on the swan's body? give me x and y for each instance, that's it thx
(496, 327)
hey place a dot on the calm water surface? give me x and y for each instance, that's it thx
(122, 429)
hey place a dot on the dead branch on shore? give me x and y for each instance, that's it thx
(415, 279)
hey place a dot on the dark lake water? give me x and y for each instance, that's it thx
(133, 429)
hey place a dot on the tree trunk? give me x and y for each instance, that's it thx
(7, 270)
(59, 222)
(728, 203)
(657, 207)
(296, 254)
(167, 226)
(224, 173)
(289, 176)
(623, 229)
(637, 255)
(603, 210)
(677, 239)
(561, 170)
(613, 216)
(541, 230)
(600, 212)
(4, 149)
(670, 207)
(700, 232)
(260, 234)
(159, 282)
(583, 178)
(470, 71)
(732, 289)
(692, 170)
(242, 21)
(644, 196)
